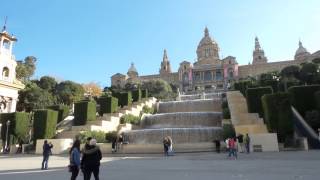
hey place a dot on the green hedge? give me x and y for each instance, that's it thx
(144, 93)
(84, 111)
(303, 98)
(274, 84)
(317, 99)
(278, 114)
(98, 135)
(108, 104)
(19, 125)
(242, 86)
(124, 98)
(148, 110)
(44, 123)
(129, 118)
(136, 95)
(253, 96)
(228, 131)
(63, 111)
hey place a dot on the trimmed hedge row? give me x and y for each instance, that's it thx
(242, 86)
(44, 123)
(136, 95)
(144, 93)
(253, 96)
(228, 131)
(108, 104)
(278, 114)
(303, 98)
(63, 111)
(19, 125)
(129, 118)
(84, 111)
(124, 98)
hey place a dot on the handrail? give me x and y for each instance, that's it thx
(312, 136)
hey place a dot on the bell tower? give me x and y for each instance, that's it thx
(258, 54)
(165, 64)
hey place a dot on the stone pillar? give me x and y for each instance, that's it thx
(1, 45)
(13, 105)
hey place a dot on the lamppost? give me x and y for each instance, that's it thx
(7, 134)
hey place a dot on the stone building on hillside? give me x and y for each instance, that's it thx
(210, 72)
(9, 85)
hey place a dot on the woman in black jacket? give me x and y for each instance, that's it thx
(90, 162)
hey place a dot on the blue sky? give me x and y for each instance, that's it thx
(90, 40)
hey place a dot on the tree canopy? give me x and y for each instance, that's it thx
(25, 69)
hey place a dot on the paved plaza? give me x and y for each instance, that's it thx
(189, 166)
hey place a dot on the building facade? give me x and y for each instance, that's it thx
(9, 85)
(210, 72)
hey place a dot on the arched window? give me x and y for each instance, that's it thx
(230, 73)
(5, 72)
(207, 76)
(6, 44)
(185, 78)
(218, 75)
(196, 76)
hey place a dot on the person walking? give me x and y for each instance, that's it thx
(165, 146)
(233, 148)
(247, 143)
(218, 144)
(170, 146)
(74, 159)
(90, 162)
(46, 153)
(240, 143)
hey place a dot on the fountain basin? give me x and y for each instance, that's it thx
(182, 119)
(178, 135)
(199, 105)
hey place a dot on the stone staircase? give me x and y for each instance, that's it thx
(250, 123)
(108, 122)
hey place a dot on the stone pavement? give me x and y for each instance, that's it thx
(189, 166)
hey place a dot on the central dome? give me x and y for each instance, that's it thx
(208, 50)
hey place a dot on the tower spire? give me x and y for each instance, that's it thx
(165, 56)
(5, 24)
(257, 44)
(206, 31)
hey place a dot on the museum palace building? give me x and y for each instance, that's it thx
(209, 72)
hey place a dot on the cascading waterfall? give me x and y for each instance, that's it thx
(189, 121)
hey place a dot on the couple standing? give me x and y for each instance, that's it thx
(90, 162)
(167, 145)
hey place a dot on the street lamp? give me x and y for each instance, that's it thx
(7, 134)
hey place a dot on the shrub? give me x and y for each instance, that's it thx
(303, 99)
(136, 95)
(274, 84)
(317, 100)
(242, 86)
(224, 104)
(111, 136)
(144, 93)
(19, 125)
(129, 118)
(44, 123)
(226, 113)
(313, 119)
(228, 131)
(98, 135)
(278, 114)
(254, 99)
(84, 111)
(148, 110)
(63, 111)
(108, 105)
(124, 98)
